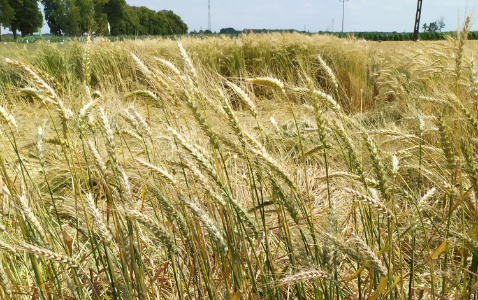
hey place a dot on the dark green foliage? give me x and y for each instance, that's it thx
(396, 36)
(119, 17)
(71, 17)
(229, 30)
(52, 15)
(175, 24)
(7, 14)
(87, 21)
(436, 26)
(76, 17)
(28, 17)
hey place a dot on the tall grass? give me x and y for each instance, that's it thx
(151, 169)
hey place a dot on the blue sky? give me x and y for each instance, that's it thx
(360, 15)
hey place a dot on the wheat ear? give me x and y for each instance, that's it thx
(164, 174)
(152, 226)
(7, 117)
(48, 254)
(211, 226)
(268, 81)
(305, 276)
(98, 224)
(7, 288)
(329, 71)
(245, 98)
(372, 202)
(368, 254)
(462, 37)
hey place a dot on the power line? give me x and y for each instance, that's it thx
(343, 12)
(417, 20)
(209, 15)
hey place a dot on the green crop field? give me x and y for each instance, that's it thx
(263, 166)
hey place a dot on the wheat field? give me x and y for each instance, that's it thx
(275, 166)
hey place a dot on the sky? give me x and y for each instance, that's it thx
(318, 15)
(313, 16)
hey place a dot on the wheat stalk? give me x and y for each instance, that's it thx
(268, 81)
(153, 226)
(368, 254)
(211, 226)
(164, 174)
(378, 167)
(323, 96)
(305, 276)
(245, 98)
(329, 71)
(110, 143)
(98, 224)
(462, 37)
(48, 254)
(145, 94)
(28, 214)
(7, 288)
(97, 158)
(170, 66)
(8, 118)
(372, 202)
(190, 67)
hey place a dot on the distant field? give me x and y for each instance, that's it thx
(265, 166)
(229, 32)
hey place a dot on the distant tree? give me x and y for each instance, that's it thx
(150, 21)
(28, 17)
(87, 22)
(229, 30)
(7, 14)
(175, 24)
(441, 23)
(51, 8)
(119, 17)
(79, 16)
(438, 25)
(425, 27)
(70, 19)
(433, 27)
(101, 18)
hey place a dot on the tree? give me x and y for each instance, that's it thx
(175, 24)
(229, 30)
(441, 23)
(438, 25)
(28, 17)
(79, 16)
(7, 14)
(116, 10)
(433, 27)
(101, 18)
(425, 27)
(52, 10)
(69, 17)
(87, 20)
(73, 17)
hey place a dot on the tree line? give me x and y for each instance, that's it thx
(76, 17)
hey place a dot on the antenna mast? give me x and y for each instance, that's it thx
(417, 20)
(343, 12)
(209, 15)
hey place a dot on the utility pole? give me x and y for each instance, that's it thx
(417, 20)
(209, 15)
(343, 12)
